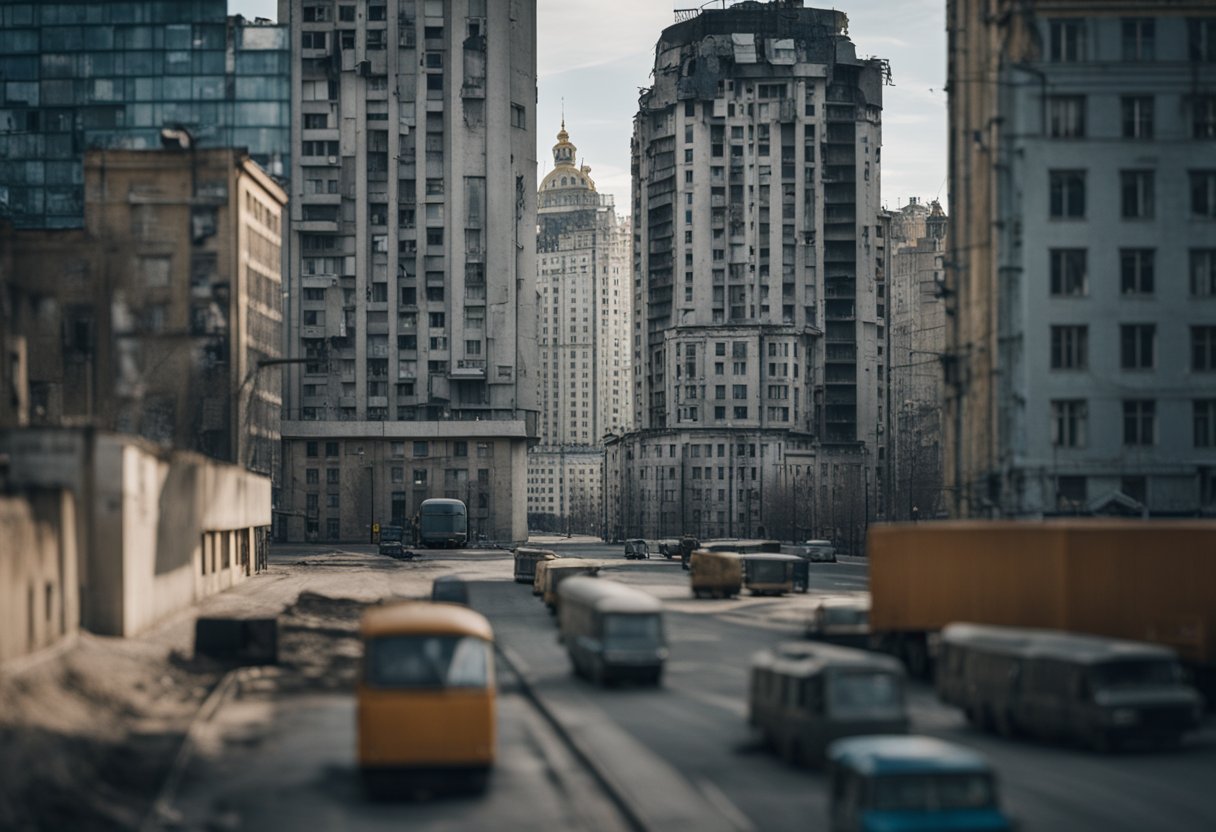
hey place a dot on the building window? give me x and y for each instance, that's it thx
(331, 449)
(1069, 272)
(740, 412)
(1203, 272)
(310, 449)
(1136, 342)
(1136, 194)
(1203, 194)
(1135, 487)
(420, 449)
(1071, 494)
(1201, 39)
(1136, 267)
(1069, 347)
(1066, 116)
(1203, 116)
(1067, 188)
(1137, 116)
(313, 40)
(1139, 421)
(312, 476)
(1204, 413)
(1067, 41)
(1203, 348)
(331, 476)
(1069, 418)
(420, 477)
(1138, 39)
(519, 116)
(316, 121)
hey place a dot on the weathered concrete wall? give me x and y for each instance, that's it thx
(39, 591)
(158, 531)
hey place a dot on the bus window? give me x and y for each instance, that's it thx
(618, 627)
(427, 662)
(863, 694)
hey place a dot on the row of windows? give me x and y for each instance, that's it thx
(1070, 423)
(1069, 41)
(1137, 271)
(1137, 347)
(1067, 116)
(1067, 194)
(421, 448)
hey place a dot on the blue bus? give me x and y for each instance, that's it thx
(442, 523)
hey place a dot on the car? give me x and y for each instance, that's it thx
(819, 551)
(669, 548)
(637, 549)
(842, 620)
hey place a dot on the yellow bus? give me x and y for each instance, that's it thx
(425, 696)
(715, 574)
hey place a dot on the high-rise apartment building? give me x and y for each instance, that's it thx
(585, 292)
(758, 278)
(916, 344)
(412, 297)
(94, 73)
(1081, 276)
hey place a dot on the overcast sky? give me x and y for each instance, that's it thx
(596, 54)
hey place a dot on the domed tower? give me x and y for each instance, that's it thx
(567, 184)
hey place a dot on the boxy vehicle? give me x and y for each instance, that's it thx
(769, 574)
(612, 631)
(802, 697)
(392, 542)
(1099, 691)
(526, 561)
(715, 574)
(843, 620)
(559, 570)
(637, 549)
(425, 696)
(442, 523)
(911, 783)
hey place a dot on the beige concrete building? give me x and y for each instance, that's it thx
(160, 315)
(412, 275)
(759, 277)
(1081, 278)
(583, 262)
(917, 342)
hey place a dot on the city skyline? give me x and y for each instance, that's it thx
(595, 83)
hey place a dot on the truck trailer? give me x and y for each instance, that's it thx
(1152, 581)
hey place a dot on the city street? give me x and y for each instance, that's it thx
(280, 755)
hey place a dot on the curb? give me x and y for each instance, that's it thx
(615, 796)
(161, 813)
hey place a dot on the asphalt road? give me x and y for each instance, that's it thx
(682, 754)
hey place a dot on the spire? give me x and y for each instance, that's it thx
(564, 152)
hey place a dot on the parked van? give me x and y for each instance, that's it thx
(912, 783)
(715, 574)
(612, 631)
(425, 695)
(526, 560)
(804, 696)
(559, 570)
(1100, 691)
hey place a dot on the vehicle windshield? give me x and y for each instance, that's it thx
(768, 571)
(443, 522)
(1130, 674)
(931, 792)
(618, 627)
(864, 695)
(390, 534)
(427, 662)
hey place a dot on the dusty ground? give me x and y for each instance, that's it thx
(86, 737)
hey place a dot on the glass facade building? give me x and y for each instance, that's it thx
(113, 74)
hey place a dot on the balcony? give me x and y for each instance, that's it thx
(468, 369)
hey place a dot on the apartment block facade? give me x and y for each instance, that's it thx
(412, 293)
(586, 295)
(160, 317)
(759, 278)
(94, 73)
(1082, 278)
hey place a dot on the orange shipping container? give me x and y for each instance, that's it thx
(1149, 581)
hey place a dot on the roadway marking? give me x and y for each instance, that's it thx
(722, 803)
(726, 703)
